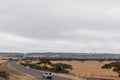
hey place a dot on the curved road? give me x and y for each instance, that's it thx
(34, 72)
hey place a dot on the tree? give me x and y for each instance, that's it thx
(115, 66)
(44, 61)
(62, 68)
(106, 66)
(28, 62)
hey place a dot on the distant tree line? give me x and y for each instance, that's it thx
(70, 59)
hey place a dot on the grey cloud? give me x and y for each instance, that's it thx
(74, 22)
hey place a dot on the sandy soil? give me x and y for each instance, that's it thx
(89, 69)
(2, 61)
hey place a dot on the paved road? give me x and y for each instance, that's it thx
(34, 72)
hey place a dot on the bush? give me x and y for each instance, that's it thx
(3, 74)
(24, 64)
(61, 68)
(115, 66)
(35, 66)
(45, 68)
(58, 67)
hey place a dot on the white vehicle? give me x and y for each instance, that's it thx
(47, 75)
(27, 67)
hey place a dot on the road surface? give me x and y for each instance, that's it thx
(34, 72)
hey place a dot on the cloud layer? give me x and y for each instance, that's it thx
(60, 26)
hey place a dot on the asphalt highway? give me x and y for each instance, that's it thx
(34, 72)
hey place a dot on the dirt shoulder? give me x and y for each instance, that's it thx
(69, 76)
(14, 74)
(18, 75)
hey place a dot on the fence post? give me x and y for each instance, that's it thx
(79, 74)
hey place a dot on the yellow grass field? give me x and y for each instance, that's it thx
(89, 68)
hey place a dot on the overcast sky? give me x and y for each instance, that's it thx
(60, 26)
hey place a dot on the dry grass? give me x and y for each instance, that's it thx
(18, 75)
(69, 76)
(14, 74)
(89, 69)
(3, 61)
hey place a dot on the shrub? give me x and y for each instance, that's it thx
(35, 66)
(61, 68)
(3, 74)
(115, 66)
(45, 68)
(58, 67)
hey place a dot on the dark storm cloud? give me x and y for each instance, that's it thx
(64, 25)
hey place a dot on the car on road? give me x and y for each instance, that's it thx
(27, 67)
(47, 75)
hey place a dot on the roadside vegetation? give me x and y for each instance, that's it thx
(4, 72)
(45, 65)
(8, 72)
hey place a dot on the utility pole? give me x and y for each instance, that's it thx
(24, 56)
